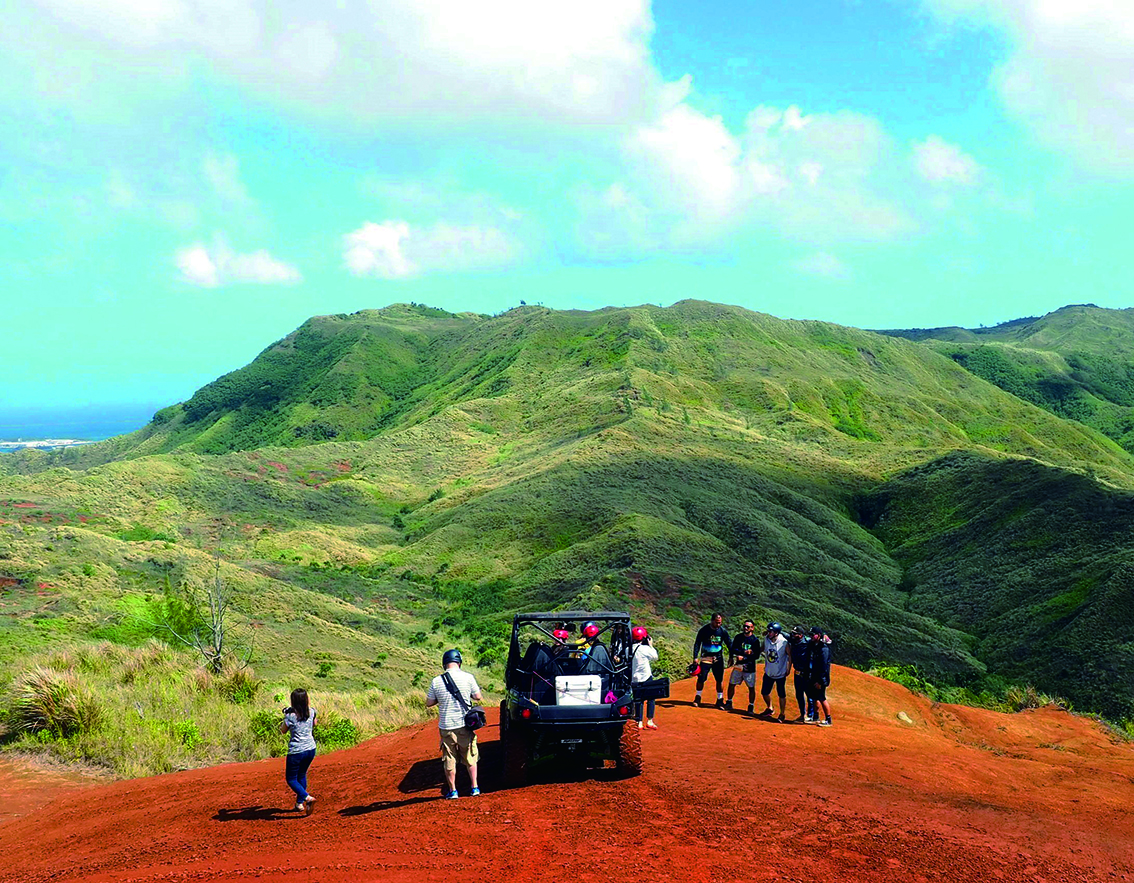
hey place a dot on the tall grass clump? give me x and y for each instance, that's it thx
(50, 704)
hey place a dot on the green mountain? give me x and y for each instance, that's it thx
(377, 485)
(1077, 362)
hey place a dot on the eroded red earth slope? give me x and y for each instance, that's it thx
(958, 795)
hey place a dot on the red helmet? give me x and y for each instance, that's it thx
(639, 633)
(591, 630)
(561, 634)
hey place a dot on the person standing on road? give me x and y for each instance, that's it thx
(745, 652)
(819, 673)
(458, 741)
(777, 664)
(799, 649)
(642, 654)
(709, 650)
(299, 724)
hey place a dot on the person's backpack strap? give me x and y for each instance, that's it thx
(451, 686)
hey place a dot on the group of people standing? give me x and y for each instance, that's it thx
(804, 652)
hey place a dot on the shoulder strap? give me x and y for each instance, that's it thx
(451, 686)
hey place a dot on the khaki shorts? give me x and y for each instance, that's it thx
(458, 745)
(739, 677)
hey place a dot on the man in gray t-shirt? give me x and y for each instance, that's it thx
(457, 740)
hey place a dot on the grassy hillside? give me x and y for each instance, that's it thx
(1077, 362)
(1024, 558)
(669, 460)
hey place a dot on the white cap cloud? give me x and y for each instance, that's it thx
(586, 61)
(397, 250)
(1069, 71)
(210, 267)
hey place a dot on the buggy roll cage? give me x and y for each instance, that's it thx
(617, 624)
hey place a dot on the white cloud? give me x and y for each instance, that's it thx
(692, 182)
(1070, 74)
(694, 159)
(825, 265)
(219, 265)
(581, 62)
(397, 250)
(941, 163)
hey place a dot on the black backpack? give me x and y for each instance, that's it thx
(475, 717)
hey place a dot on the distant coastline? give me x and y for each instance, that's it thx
(48, 428)
(45, 444)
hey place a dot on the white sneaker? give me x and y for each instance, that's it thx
(309, 805)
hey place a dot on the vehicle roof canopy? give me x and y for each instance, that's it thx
(568, 615)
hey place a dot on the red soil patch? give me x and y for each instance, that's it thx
(6, 582)
(342, 465)
(279, 467)
(960, 794)
(27, 786)
(25, 505)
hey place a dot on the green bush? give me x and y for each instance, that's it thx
(187, 734)
(240, 685)
(333, 731)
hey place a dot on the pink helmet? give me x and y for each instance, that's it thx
(591, 630)
(561, 634)
(639, 633)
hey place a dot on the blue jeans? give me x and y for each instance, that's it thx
(296, 772)
(650, 706)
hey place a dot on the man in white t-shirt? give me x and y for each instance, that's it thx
(777, 664)
(457, 740)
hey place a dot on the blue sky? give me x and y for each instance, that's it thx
(183, 182)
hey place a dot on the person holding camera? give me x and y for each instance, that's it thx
(299, 724)
(642, 654)
(453, 692)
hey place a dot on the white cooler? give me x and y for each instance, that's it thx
(578, 690)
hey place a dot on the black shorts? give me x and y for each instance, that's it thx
(819, 694)
(766, 686)
(716, 667)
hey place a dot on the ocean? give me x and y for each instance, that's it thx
(87, 422)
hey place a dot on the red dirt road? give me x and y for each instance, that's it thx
(958, 795)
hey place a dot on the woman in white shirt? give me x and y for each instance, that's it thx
(642, 653)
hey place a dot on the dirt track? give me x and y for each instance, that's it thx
(960, 794)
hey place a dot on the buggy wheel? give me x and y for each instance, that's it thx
(630, 749)
(515, 752)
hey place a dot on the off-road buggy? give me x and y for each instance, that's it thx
(568, 696)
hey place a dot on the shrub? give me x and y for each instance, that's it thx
(52, 702)
(333, 731)
(325, 669)
(240, 685)
(187, 734)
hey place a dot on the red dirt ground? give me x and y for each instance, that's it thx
(960, 794)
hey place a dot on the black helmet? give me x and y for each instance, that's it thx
(775, 627)
(453, 655)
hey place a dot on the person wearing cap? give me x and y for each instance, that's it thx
(799, 649)
(777, 664)
(642, 654)
(819, 673)
(745, 651)
(458, 742)
(709, 648)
